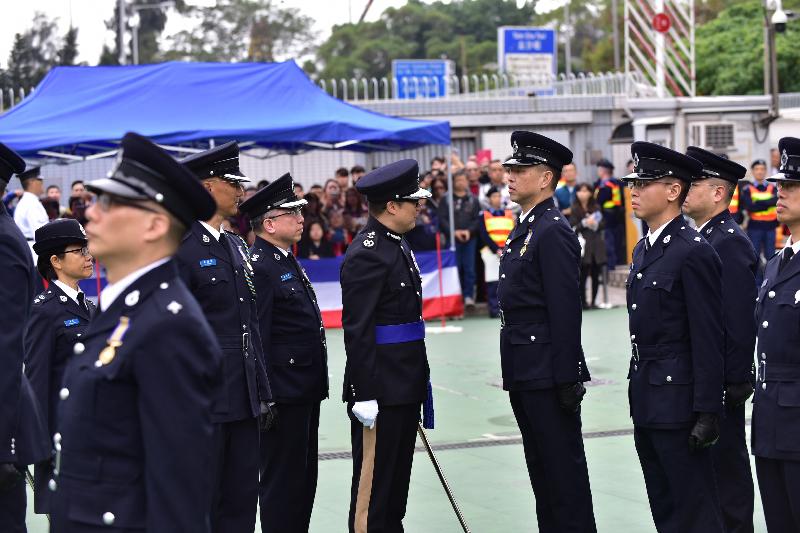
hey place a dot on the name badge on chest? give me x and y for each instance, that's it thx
(208, 263)
(72, 322)
(286, 277)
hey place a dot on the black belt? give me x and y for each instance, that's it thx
(778, 372)
(650, 352)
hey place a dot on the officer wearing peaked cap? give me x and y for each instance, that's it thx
(30, 214)
(59, 318)
(776, 409)
(23, 435)
(707, 203)
(674, 294)
(386, 376)
(134, 433)
(216, 267)
(540, 347)
(296, 354)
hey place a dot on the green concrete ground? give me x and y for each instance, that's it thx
(483, 461)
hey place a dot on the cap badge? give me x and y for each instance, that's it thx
(636, 160)
(205, 238)
(784, 158)
(63, 299)
(132, 298)
(667, 239)
(174, 307)
(114, 341)
(277, 257)
(515, 146)
(369, 243)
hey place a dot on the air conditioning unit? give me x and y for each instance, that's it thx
(713, 136)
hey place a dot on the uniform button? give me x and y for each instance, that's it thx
(639, 275)
(244, 327)
(213, 279)
(52, 485)
(420, 317)
(291, 361)
(402, 284)
(633, 307)
(533, 338)
(669, 378)
(765, 324)
(503, 276)
(763, 386)
(79, 334)
(654, 283)
(57, 438)
(771, 294)
(164, 285)
(63, 393)
(98, 363)
(763, 355)
(78, 348)
(633, 337)
(108, 518)
(241, 299)
(418, 293)
(636, 367)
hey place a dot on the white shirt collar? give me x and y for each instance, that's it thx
(795, 246)
(700, 228)
(113, 290)
(652, 236)
(214, 232)
(69, 291)
(524, 215)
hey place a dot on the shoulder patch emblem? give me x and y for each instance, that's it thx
(369, 243)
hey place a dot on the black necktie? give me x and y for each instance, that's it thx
(82, 301)
(647, 244)
(788, 253)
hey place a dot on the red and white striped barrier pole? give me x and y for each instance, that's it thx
(441, 274)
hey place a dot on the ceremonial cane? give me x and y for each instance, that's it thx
(439, 472)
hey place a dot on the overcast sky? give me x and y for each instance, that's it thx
(90, 15)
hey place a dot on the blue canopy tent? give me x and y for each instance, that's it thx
(79, 112)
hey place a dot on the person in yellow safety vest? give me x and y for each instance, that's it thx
(759, 199)
(497, 226)
(609, 197)
(735, 207)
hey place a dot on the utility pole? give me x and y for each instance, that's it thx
(567, 41)
(121, 30)
(615, 25)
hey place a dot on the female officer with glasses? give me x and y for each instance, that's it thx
(59, 317)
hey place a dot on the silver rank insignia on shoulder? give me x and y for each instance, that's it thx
(369, 243)
(277, 257)
(555, 218)
(667, 239)
(730, 230)
(708, 231)
(371, 235)
(63, 299)
(697, 239)
(205, 238)
(174, 307)
(132, 298)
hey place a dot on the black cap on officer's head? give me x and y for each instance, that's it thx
(395, 181)
(492, 190)
(652, 161)
(605, 163)
(143, 171)
(57, 234)
(34, 173)
(716, 166)
(534, 149)
(10, 163)
(219, 162)
(276, 195)
(789, 148)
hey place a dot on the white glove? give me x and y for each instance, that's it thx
(366, 412)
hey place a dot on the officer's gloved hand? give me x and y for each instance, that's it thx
(366, 412)
(570, 396)
(737, 393)
(9, 476)
(268, 416)
(705, 432)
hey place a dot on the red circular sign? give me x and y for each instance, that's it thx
(661, 22)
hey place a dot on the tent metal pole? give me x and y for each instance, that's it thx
(450, 214)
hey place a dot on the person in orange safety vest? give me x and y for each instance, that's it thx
(494, 231)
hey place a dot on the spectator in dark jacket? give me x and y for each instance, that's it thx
(314, 244)
(587, 220)
(465, 216)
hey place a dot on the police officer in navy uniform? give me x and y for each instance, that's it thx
(386, 373)
(293, 338)
(23, 433)
(676, 373)
(215, 265)
(776, 410)
(707, 204)
(135, 437)
(540, 344)
(59, 318)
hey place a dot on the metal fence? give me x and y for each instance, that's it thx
(487, 86)
(10, 97)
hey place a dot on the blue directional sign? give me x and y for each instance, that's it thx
(523, 51)
(421, 78)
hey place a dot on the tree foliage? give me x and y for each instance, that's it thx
(151, 25)
(243, 30)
